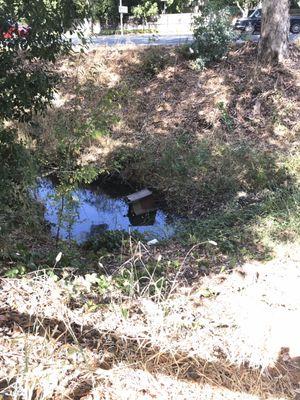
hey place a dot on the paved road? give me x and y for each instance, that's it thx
(151, 40)
(139, 40)
(255, 38)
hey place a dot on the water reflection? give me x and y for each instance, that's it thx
(88, 212)
(145, 219)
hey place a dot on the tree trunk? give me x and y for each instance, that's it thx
(244, 10)
(274, 31)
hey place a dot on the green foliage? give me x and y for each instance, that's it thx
(26, 82)
(146, 10)
(150, 280)
(70, 143)
(16, 272)
(244, 229)
(280, 217)
(174, 6)
(217, 172)
(110, 241)
(18, 169)
(122, 158)
(72, 132)
(27, 85)
(153, 61)
(104, 284)
(106, 11)
(226, 119)
(213, 34)
(30, 250)
(233, 6)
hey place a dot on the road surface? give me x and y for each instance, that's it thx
(151, 40)
(255, 38)
(138, 40)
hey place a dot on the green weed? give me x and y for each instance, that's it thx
(104, 284)
(216, 172)
(122, 158)
(250, 230)
(226, 119)
(110, 241)
(153, 61)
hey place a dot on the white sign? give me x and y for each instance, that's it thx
(123, 9)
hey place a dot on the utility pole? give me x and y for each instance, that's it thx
(121, 18)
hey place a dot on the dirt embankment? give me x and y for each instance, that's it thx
(198, 137)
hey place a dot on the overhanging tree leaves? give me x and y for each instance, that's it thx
(145, 10)
(26, 81)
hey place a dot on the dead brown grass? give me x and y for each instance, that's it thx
(232, 336)
(151, 115)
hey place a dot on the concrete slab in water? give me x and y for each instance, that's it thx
(139, 195)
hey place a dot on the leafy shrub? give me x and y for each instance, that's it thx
(110, 240)
(122, 158)
(17, 169)
(213, 34)
(153, 61)
(146, 10)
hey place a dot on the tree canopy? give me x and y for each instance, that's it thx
(26, 83)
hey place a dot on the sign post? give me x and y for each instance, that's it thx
(165, 6)
(122, 10)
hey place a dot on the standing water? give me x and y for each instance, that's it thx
(90, 211)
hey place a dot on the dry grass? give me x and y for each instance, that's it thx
(156, 121)
(231, 336)
(224, 336)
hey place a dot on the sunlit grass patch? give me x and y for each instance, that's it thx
(221, 337)
(253, 229)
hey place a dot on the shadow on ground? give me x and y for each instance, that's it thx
(140, 353)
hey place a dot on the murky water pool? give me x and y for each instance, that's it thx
(90, 211)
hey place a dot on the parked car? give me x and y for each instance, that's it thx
(252, 23)
(23, 31)
(10, 30)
